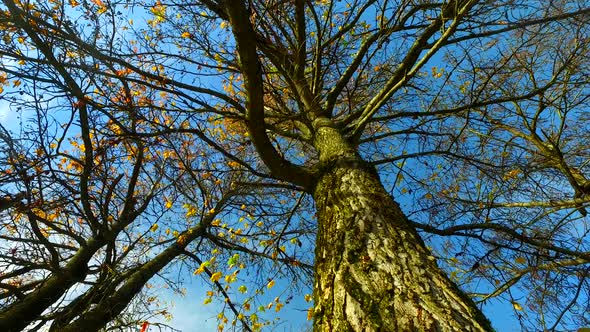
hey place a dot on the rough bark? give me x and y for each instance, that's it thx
(373, 271)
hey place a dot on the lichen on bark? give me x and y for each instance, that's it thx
(373, 271)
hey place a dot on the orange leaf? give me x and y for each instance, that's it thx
(99, 3)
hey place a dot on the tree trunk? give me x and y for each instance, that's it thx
(373, 271)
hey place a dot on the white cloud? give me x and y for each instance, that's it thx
(5, 114)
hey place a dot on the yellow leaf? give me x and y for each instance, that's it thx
(270, 284)
(520, 260)
(168, 204)
(230, 278)
(186, 34)
(216, 222)
(512, 174)
(199, 270)
(216, 276)
(159, 10)
(308, 298)
(207, 300)
(154, 227)
(181, 239)
(278, 307)
(191, 210)
(516, 306)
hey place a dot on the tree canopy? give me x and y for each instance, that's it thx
(250, 143)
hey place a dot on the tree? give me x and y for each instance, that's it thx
(332, 100)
